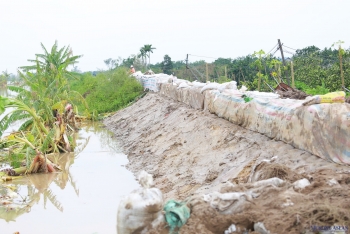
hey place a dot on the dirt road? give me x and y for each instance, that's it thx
(192, 152)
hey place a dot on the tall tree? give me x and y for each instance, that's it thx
(167, 65)
(129, 61)
(110, 63)
(148, 49)
(143, 55)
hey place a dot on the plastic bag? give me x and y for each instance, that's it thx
(335, 97)
(142, 209)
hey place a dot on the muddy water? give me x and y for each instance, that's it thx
(83, 198)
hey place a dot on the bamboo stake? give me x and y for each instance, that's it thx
(341, 68)
(292, 74)
(206, 72)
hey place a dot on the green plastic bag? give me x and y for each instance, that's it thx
(176, 214)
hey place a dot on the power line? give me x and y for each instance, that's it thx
(275, 52)
(288, 52)
(202, 56)
(272, 49)
(289, 47)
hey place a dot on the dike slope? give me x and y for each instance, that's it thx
(192, 152)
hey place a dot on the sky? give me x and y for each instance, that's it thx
(102, 29)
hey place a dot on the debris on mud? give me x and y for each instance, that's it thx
(196, 155)
(285, 91)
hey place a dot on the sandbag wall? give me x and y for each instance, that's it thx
(321, 129)
(190, 96)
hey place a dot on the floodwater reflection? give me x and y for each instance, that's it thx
(83, 198)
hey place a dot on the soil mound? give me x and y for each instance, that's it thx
(192, 153)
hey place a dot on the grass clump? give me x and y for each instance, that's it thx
(108, 91)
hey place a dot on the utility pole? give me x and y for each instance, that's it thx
(206, 72)
(226, 71)
(341, 68)
(187, 61)
(284, 62)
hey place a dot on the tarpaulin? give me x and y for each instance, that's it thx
(321, 129)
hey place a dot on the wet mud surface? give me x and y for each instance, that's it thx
(192, 153)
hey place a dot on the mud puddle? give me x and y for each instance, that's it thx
(83, 198)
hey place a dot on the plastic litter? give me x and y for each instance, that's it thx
(260, 228)
(228, 203)
(301, 184)
(275, 181)
(176, 214)
(235, 202)
(334, 97)
(332, 182)
(141, 209)
(230, 229)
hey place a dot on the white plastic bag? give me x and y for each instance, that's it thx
(142, 209)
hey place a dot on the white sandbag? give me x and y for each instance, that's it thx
(183, 85)
(222, 87)
(232, 93)
(138, 73)
(142, 209)
(210, 86)
(231, 85)
(227, 85)
(243, 88)
(198, 84)
(257, 94)
(179, 81)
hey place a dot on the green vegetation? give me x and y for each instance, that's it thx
(167, 65)
(4, 77)
(40, 104)
(317, 70)
(48, 87)
(148, 49)
(107, 91)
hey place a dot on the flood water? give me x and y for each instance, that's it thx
(83, 198)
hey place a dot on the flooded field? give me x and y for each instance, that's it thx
(83, 198)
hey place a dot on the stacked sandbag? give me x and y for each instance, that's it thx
(142, 209)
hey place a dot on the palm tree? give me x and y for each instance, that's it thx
(148, 48)
(143, 55)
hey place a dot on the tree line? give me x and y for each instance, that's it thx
(314, 69)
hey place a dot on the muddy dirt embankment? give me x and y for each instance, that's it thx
(192, 152)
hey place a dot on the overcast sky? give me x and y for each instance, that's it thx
(102, 29)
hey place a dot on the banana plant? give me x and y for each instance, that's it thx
(39, 105)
